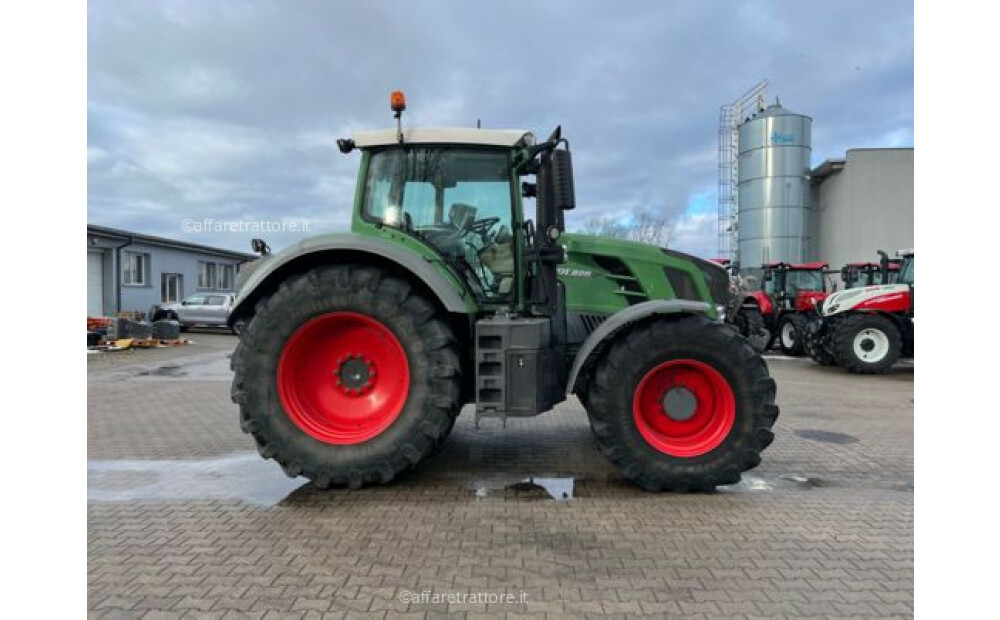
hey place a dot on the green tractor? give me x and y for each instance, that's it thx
(360, 349)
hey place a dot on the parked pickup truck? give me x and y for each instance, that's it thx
(199, 309)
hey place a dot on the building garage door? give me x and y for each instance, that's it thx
(95, 284)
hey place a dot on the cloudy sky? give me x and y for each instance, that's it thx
(230, 110)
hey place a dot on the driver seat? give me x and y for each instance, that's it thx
(499, 259)
(462, 216)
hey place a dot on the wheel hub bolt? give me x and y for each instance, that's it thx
(355, 374)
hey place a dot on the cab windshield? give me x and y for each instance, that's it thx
(796, 280)
(859, 277)
(457, 200)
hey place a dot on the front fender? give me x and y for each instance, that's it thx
(453, 296)
(625, 317)
(762, 300)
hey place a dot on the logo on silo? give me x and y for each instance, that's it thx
(782, 138)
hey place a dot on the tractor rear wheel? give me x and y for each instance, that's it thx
(346, 375)
(791, 329)
(866, 343)
(682, 404)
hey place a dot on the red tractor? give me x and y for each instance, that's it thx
(788, 294)
(857, 275)
(865, 330)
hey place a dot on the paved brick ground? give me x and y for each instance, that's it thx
(184, 521)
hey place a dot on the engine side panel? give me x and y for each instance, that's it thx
(603, 276)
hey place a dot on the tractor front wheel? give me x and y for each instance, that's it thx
(751, 325)
(819, 354)
(682, 404)
(791, 329)
(812, 343)
(346, 375)
(866, 343)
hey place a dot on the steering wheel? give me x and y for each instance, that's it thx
(483, 226)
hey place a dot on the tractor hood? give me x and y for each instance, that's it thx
(602, 275)
(807, 300)
(591, 244)
(887, 297)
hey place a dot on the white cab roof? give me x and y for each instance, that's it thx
(445, 135)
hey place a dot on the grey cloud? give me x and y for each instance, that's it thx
(230, 110)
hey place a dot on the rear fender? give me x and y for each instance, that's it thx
(623, 318)
(331, 249)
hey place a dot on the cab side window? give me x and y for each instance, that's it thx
(457, 200)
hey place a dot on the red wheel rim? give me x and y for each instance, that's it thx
(684, 408)
(343, 378)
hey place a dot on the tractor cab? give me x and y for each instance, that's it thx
(859, 275)
(856, 275)
(795, 285)
(457, 193)
(455, 198)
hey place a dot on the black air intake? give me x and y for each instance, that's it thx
(618, 271)
(715, 276)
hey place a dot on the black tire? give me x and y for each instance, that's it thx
(751, 325)
(432, 402)
(637, 351)
(819, 354)
(849, 330)
(791, 333)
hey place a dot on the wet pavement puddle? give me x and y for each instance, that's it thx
(210, 367)
(242, 477)
(559, 489)
(245, 477)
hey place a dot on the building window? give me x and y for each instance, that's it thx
(206, 275)
(135, 267)
(226, 278)
(171, 287)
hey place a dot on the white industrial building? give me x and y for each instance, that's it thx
(862, 203)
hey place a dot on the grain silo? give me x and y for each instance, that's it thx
(774, 217)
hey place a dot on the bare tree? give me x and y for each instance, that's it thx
(605, 227)
(644, 226)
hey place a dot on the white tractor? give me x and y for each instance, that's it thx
(867, 329)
